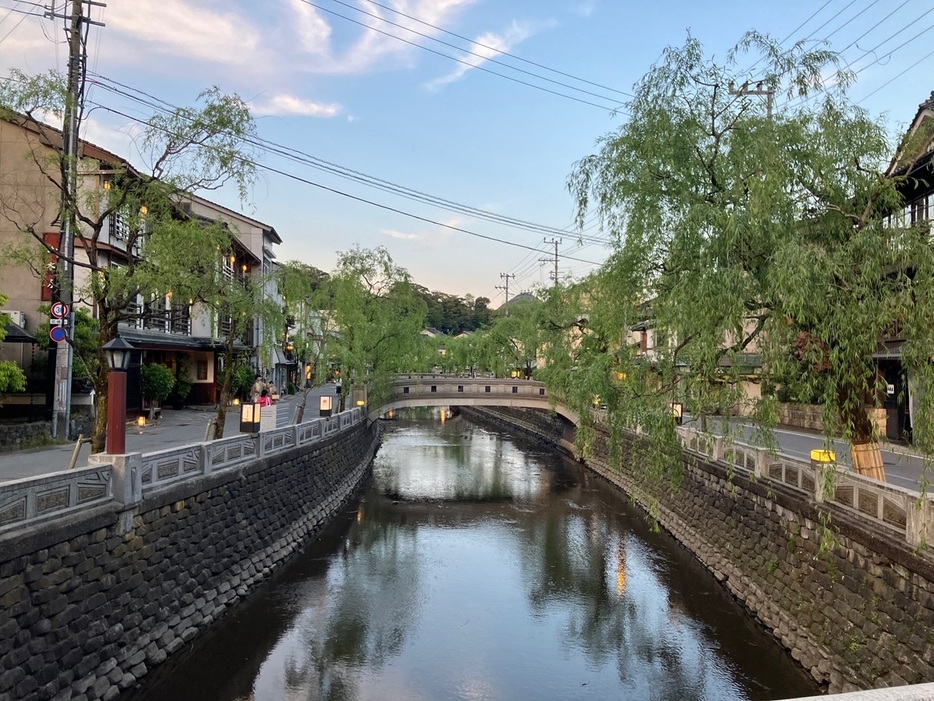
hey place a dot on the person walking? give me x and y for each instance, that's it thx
(258, 386)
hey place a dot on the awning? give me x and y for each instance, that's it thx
(17, 334)
(278, 358)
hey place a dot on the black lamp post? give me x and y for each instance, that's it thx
(118, 354)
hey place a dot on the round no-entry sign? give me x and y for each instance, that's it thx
(57, 334)
(59, 310)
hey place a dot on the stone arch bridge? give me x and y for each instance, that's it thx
(411, 391)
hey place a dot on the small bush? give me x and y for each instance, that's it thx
(157, 382)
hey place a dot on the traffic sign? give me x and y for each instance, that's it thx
(60, 310)
(57, 334)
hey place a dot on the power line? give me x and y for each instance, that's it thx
(499, 51)
(299, 156)
(614, 108)
(298, 178)
(803, 100)
(474, 53)
(21, 20)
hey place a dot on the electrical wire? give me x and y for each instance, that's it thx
(613, 108)
(468, 51)
(304, 158)
(492, 48)
(306, 181)
(21, 20)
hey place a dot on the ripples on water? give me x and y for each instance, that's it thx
(477, 568)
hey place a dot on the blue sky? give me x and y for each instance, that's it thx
(362, 100)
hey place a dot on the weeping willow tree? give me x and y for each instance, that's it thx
(378, 318)
(750, 233)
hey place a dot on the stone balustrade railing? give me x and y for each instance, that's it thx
(422, 385)
(126, 479)
(905, 513)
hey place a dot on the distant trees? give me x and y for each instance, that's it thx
(451, 314)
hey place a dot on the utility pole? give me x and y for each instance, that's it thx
(76, 28)
(744, 89)
(505, 276)
(553, 242)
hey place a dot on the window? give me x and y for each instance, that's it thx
(405, 390)
(487, 389)
(515, 390)
(541, 391)
(434, 389)
(919, 210)
(460, 388)
(202, 369)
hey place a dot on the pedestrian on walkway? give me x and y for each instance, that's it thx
(264, 399)
(258, 386)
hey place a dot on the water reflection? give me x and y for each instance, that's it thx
(474, 568)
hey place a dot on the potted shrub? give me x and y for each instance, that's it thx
(157, 382)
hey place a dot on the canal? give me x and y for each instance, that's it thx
(477, 567)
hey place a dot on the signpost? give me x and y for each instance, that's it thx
(60, 310)
(58, 332)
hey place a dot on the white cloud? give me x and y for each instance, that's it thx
(371, 49)
(314, 32)
(485, 47)
(584, 8)
(403, 235)
(283, 104)
(185, 29)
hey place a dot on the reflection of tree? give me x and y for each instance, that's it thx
(645, 606)
(372, 599)
(456, 462)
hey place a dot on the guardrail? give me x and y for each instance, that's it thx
(28, 500)
(446, 385)
(903, 512)
(127, 478)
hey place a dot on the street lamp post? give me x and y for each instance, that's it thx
(118, 354)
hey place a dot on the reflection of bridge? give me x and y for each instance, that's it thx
(448, 390)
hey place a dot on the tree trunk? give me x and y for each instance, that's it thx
(105, 334)
(227, 380)
(865, 451)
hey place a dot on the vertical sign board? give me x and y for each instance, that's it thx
(53, 241)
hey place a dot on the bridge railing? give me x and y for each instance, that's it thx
(448, 386)
(904, 513)
(125, 479)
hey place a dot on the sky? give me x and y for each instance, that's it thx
(485, 104)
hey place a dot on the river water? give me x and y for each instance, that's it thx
(477, 567)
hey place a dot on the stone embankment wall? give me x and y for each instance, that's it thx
(17, 435)
(534, 424)
(856, 614)
(811, 417)
(89, 604)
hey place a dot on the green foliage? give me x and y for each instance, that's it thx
(451, 314)
(12, 378)
(189, 149)
(157, 382)
(86, 346)
(375, 320)
(743, 235)
(243, 377)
